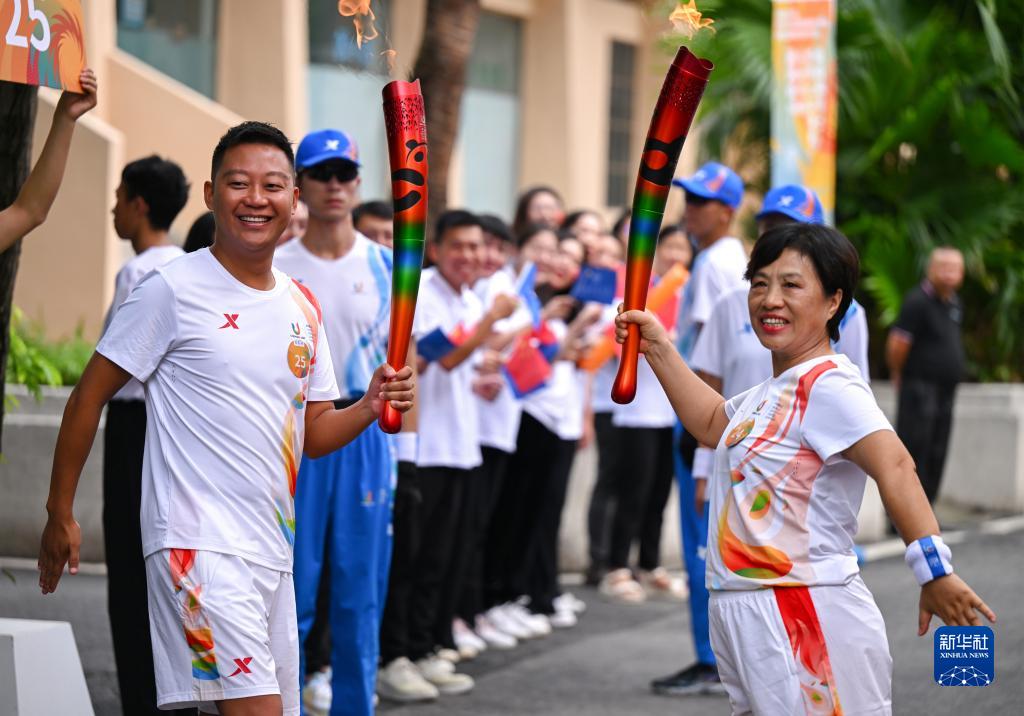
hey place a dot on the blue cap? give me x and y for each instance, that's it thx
(714, 181)
(797, 202)
(324, 145)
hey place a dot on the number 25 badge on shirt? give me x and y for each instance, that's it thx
(965, 656)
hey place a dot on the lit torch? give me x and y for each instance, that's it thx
(680, 95)
(407, 149)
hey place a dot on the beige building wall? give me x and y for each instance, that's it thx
(69, 263)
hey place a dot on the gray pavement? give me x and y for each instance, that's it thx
(603, 665)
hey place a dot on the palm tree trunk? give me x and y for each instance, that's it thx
(17, 117)
(441, 68)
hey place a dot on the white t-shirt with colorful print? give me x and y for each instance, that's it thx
(356, 289)
(228, 372)
(784, 501)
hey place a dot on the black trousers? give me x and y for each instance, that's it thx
(924, 421)
(439, 565)
(405, 536)
(479, 502)
(642, 488)
(124, 442)
(530, 510)
(602, 498)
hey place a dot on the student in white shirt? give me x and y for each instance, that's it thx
(498, 412)
(239, 382)
(450, 326)
(151, 194)
(343, 500)
(788, 606)
(713, 195)
(551, 425)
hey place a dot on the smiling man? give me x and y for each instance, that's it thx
(238, 379)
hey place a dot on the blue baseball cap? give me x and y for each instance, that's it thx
(324, 145)
(797, 202)
(716, 182)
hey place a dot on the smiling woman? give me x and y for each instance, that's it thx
(792, 459)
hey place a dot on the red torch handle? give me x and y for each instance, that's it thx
(673, 114)
(405, 122)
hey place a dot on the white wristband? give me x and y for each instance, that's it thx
(406, 445)
(703, 462)
(929, 558)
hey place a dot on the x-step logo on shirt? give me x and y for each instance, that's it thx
(232, 317)
(243, 666)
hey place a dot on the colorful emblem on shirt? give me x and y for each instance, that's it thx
(298, 357)
(739, 432)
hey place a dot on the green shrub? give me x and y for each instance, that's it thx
(33, 361)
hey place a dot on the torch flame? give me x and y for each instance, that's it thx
(687, 21)
(362, 17)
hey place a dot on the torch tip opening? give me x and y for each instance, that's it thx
(397, 89)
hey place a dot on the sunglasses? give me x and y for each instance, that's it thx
(694, 200)
(342, 171)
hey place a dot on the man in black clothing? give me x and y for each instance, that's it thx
(926, 361)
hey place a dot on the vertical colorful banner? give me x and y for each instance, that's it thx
(42, 43)
(804, 96)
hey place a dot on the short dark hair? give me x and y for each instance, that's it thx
(453, 219)
(835, 260)
(201, 233)
(251, 133)
(496, 227)
(161, 184)
(377, 209)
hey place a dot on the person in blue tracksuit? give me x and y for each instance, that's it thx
(342, 500)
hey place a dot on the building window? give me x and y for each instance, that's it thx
(620, 124)
(332, 38)
(177, 37)
(489, 119)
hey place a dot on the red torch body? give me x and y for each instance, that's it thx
(680, 95)
(406, 126)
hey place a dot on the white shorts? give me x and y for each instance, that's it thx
(222, 628)
(800, 650)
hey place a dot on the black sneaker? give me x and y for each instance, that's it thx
(696, 679)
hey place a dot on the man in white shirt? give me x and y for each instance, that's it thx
(343, 500)
(239, 382)
(151, 194)
(713, 195)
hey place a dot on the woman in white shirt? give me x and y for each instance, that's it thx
(788, 607)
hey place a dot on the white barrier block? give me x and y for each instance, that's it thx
(40, 672)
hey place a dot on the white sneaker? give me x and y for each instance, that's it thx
(537, 624)
(401, 681)
(469, 644)
(567, 601)
(450, 657)
(563, 619)
(620, 586)
(492, 635)
(659, 584)
(436, 670)
(504, 622)
(316, 694)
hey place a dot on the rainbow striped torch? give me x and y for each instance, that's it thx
(680, 95)
(407, 150)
